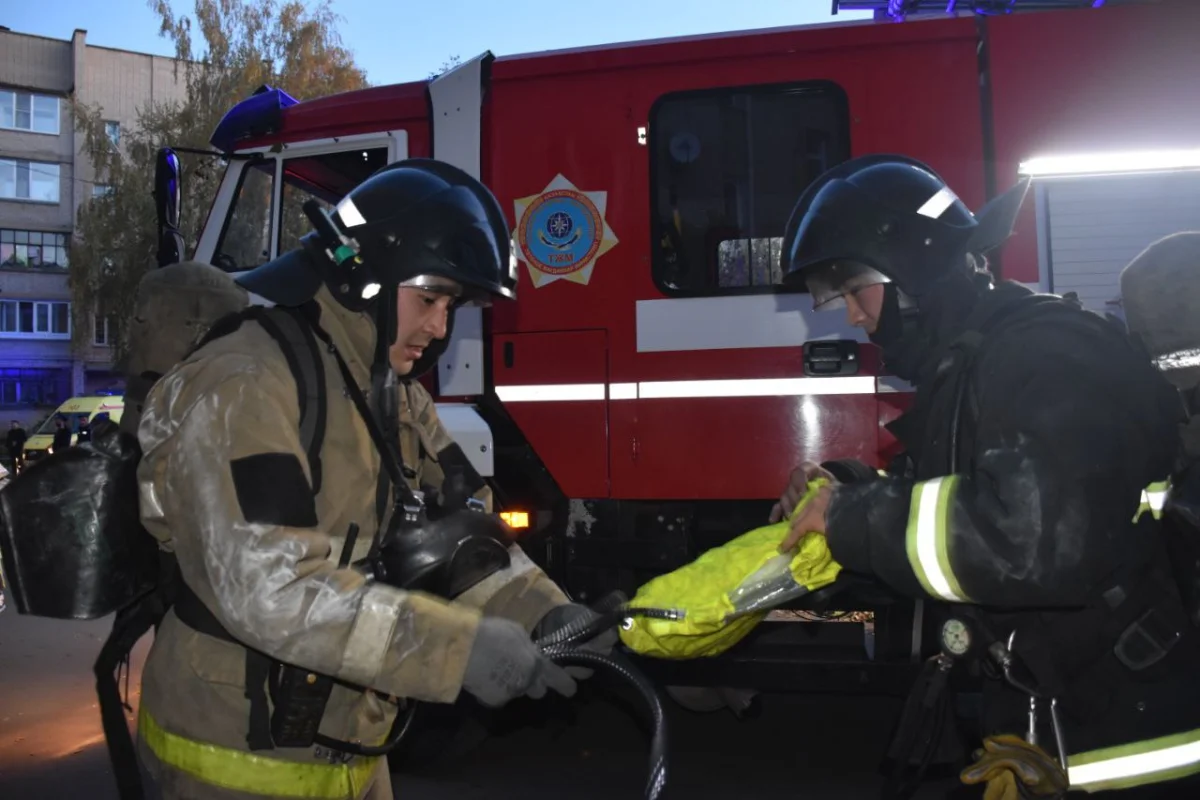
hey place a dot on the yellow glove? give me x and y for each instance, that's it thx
(1007, 759)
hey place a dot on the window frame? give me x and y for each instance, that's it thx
(114, 140)
(312, 189)
(208, 245)
(101, 322)
(831, 89)
(270, 169)
(48, 334)
(66, 247)
(33, 97)
(29, 163)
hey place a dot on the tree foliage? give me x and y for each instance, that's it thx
(223, 52)
(447, 65)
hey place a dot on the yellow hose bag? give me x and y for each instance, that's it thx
(723, 594)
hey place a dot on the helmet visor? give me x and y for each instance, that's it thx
(830, 282)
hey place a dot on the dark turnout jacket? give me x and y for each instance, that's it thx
(1035, 430)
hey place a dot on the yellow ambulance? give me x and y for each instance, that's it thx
(74, 412)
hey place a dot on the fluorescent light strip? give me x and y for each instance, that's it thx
(1111, 163)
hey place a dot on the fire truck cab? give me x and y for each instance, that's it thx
(648, 393)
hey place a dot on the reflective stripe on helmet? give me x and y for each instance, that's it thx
(349, 214)
(1137, 764)
(935, 206)
(253, 774)
(928, 538)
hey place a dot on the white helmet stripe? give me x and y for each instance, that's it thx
(350, 214)
(936, 206)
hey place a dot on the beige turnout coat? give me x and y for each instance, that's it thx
(220, 435)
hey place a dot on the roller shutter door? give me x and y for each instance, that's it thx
(1098, 224)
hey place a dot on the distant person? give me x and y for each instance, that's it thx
(100, 423)
(15, 442)
(62, 435)
(85, 430)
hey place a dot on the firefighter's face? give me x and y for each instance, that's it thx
(421, 317)
(863, 307)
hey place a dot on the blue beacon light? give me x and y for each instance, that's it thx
(256, 116)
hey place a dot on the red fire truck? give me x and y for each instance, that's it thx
(648, 393)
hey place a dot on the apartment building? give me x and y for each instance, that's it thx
(44, 178)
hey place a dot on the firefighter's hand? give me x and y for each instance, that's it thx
(576, 615)
(797, 486)
(810, 518)
(1012, 769)
(505, 664)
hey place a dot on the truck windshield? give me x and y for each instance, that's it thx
(245, 241)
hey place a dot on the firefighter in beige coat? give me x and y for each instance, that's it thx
(226, 485)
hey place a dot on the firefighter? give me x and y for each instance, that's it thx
(227, 487)
(1035, 428)
(1159, 296)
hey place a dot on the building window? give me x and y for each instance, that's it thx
(29, 180)
(727, 167)
(102, 336)
(34, 387)
(113, 131)
(32, 249)
(28, 112)
(101, 190)
(35, 319)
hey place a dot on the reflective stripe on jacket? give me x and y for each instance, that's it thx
(1124, 766)
(254, 774)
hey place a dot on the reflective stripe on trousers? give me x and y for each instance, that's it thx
(928, 538)
(254, 774)
(1141, 763)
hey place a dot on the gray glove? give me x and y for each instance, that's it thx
(505, 663)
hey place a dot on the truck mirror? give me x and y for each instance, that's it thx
(167, 198)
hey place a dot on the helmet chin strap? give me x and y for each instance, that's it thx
(897, 334)
(890, 327)
(385, 393)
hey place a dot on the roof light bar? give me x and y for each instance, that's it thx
(1111, 163)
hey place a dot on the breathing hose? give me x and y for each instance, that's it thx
(561, 647)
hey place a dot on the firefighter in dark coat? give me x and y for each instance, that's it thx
(1035, 431)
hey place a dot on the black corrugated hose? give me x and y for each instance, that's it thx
(561, 647)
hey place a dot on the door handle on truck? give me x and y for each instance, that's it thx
(838, 357)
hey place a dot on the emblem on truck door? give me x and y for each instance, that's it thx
(561, 232)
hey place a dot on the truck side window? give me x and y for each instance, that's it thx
(246, 241)
(327, 177)
(727, 166)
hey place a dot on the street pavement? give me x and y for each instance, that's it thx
(595, 746)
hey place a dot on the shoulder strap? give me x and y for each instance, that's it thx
(293, 333)
(295, 338)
